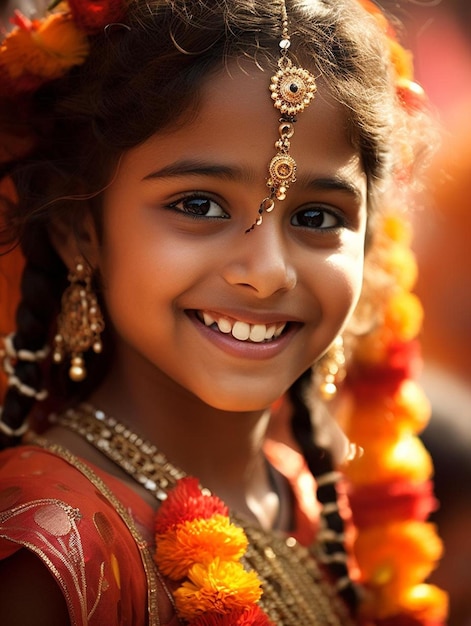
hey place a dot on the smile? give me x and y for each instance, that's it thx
(242, 331)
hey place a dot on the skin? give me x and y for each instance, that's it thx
(161, 268)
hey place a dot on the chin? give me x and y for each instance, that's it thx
(239, 401)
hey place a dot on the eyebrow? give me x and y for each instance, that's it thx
(200, 168)
(194, 167)
(334, 183)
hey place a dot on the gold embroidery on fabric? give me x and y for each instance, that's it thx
(142, 546)
(70, 552)
(102, 586)
(295, 590)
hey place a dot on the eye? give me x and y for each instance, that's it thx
(199, 206)
(316, 217)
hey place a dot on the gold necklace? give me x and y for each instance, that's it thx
(295, 588)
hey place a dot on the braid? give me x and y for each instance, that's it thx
(41, 285)
(320, 464)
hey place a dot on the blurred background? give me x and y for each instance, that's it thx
(439, 34)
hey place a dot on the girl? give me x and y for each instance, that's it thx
(194, 194)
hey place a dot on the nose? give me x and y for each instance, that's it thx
(260, 261)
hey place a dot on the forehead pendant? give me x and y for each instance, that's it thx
(292, 89)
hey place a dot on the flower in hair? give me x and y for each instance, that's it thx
(409, 92)
(93, 15)
(198, 547)
(38, 51)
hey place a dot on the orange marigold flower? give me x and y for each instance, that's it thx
(402, 60)
(389, 415)
(412, 407)
(372, 8)
(394, 558)
(384, 461)
(252, 616)
(400, 262)
(404, 315)
(187, 502)
(398, 229)
(199, 541)
(373, 347)
(219, 587)
(426, 602)
(43, 48)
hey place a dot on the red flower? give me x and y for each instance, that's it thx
(394, 501)
(93, 15)
(186, 503)
(252, 616)
(403, 360)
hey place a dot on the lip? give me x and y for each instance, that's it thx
(247, 349)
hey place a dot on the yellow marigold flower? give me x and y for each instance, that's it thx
(412, 407)
(220, 586)
(398, 229)
(400, 262)
(385, 461)
(46, 48)
(395, 558)
(199, 541)
(402, 60)
(426, 602)
(404, 315)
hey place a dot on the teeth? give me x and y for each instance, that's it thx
(258, 332)
(243, 331)
(208, 320)
(224, 325)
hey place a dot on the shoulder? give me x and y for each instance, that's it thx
(75, 528)
(29, 594)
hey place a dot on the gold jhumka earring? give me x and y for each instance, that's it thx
(292, 89)
(80, 322)
(330, 370)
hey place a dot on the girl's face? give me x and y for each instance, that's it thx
(199, 305)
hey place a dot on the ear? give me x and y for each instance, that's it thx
(72, 240)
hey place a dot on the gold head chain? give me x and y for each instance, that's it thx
(292, 89)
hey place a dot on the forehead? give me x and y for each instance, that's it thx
(235, 118)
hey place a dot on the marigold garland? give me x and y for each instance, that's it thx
(391, 490)
(200, 548)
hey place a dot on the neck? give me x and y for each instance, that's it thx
(222, 449)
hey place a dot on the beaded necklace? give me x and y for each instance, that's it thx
(295, 587)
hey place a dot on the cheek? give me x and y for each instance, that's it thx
(342, 278)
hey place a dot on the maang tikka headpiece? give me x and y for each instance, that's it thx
(292, 89)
